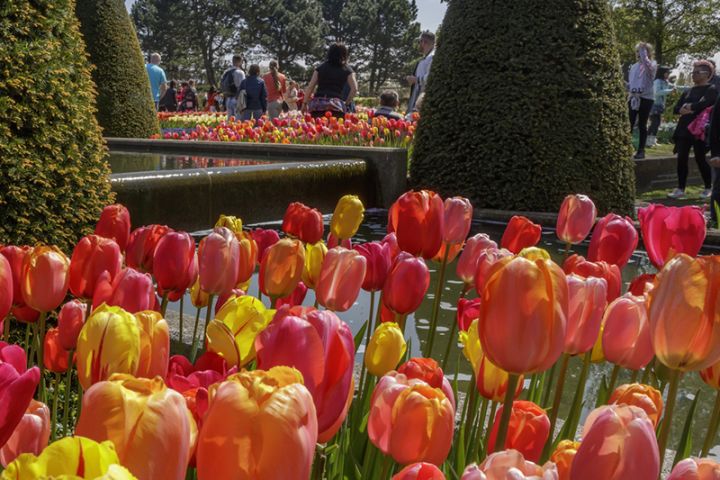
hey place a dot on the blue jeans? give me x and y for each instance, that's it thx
(249, 114)
(231, 104)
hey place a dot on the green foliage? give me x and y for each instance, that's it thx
(53, 176)
(525, 104)
(125, 106)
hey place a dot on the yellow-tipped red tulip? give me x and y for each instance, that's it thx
(281, 268)
(232, 333)
(385, 350)
(259, 424)
(154, 345)
(347, 217)
(314, 256)
(45, 278)
(150, 425)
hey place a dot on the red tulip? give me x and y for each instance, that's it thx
(484, 265)
(45, 278)
(467, 311)
(428, 370)
(295, 298)
(264, 239)
(626, 337)
(114, 223)
(17, 387)
(70, 321)
(417, 219)
(614, 239)
(15, 257)
(303, 222)
(341, 277)
(131, 290)
(25, 314)
(584, 268)
(55, 357)
(6, 288)
(406, 284)
(586, 304)
(458, 212)
(618, 443)
(377, 257)
(576, 218)
(520, 233)
(641, 284)
(668, 231)
(175, 264)
(333, 242)
(92, 256)
(468, 261)
(30, 436)
(218, 256)
(419, 471)
(321, 347)
(141, 246)
(528, 431)
(391, 241)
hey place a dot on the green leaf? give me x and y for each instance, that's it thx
(360, 334)
(685, 444)
(603, 392)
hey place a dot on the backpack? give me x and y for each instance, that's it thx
(227, 83)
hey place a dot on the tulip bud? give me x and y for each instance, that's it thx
(70, 321)
(218, 256)
(314, 256)
(247, 259)
(131, 290)
(30, 436)
(563, 457)
(93, 256)
(348, 216)
(642, 396)
(485, 262)
(406, 284)
(18, 387)
(520, 233)
(281, 268)
(114, 223)
(528, 430)
(45, 278)
(467, 311)
(175, 264)
(626, 337)
(613, 240)
(385, 349)
(587, 300)
(295, 298)
(341, 277)
(377, 257)
(303, 222)
(467, 263)
(457, 218)
(417, 219)
(198, 296)
(428, 370)
(15, 257)
(55, 358)
(141, 246)
(575, 219)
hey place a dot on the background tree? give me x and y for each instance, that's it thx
(53, 175)
(125, 106)
(525, 104)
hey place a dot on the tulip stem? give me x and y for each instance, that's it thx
(53, 417)
(370, 326)
(208, 317)
(453, 330)
(507, 410)
(491, 421)
(89, 308)
(68, 385)
(664, 433)
(472, 409)
(547, 385)
(27, 345)
(163, 305)
(319, 463)
(575, 409)
(436, 304)
(633, 377)
(613, 379)
(568, 246)
(559, 387)
(712, 426)
(646, 373)
(182, 298)
(477, 431)
(6, 330)
(197, 322)
(41, 355)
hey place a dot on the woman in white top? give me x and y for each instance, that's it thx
(641, 92)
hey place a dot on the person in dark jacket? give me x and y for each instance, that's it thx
(256, 94)
(168, 102)
(715, 161)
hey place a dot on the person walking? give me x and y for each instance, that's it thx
(330, 78)
(256, 94)
(276, 89)
(418, 80)
(230, 85)
(168, 102)
(662, 89)
(158, 81)
(692, 103)
(715, 162)
(641, 93)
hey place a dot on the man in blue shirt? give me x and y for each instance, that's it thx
(157, 78)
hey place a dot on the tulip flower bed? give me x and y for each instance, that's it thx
(353, 130)
(270, 386)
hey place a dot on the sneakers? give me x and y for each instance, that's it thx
(639, 155)
(706, 194)
(651, 141)
(676, 194)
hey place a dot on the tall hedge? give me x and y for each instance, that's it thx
(53, 174)
(525, 104)
(125, 106)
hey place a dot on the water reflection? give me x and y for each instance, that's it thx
(129, 162)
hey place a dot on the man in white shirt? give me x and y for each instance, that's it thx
(422, 70)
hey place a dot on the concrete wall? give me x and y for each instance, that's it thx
(661, 173)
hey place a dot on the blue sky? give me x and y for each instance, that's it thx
(430, 13)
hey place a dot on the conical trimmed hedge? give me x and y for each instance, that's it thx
(125, 106)
(525, 104)
(53, 175)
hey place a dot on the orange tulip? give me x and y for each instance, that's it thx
(248, 257)
(93, 256)
(575, 219)
(587, 301)
(417, 220)
(584, 268)
(282, 267)
(428, 370)
(341, 277)
(30, 436)
(684, 313)
(259, 424)
(114, 223)
(563, 457)
(150, 425)
(528, 430)
(642, 396)
(410, 421)
(520, 233)
(626, 336)
(696, 469)
(55, 357)
(45, 278)
(523, 314)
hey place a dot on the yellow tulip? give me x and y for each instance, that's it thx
(314, 256)
(108, 343)
(198, 296)
(534, 253)
(348, 216)
(598, 355)
(385, 349)
(70, 457)
(232, 333)
(232, 223)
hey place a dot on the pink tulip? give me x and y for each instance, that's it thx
(378, 260)
(175, 264)
(696, 469)
(17, 387)
(391, 241)
(114, 223)
(264, 239)
(509, 465)
(297, 297)
(419, 471)
(614, 239)
(70, 321)
(485, 261)
(467, 262)
(406, 284)
(15, 257)
(668, 231)
(92, 256)
(321, 347)
(586, 304)
(30, 436)
(520, 233)
(6, 288)
(626, 337)
(218, 256)
(576, 218)
(131, 290)
(141, 246)
(618, 443)
(457, 219)
(341, 277)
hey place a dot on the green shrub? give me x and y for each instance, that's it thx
(525, 104)
(53, 175)
(125, 105)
